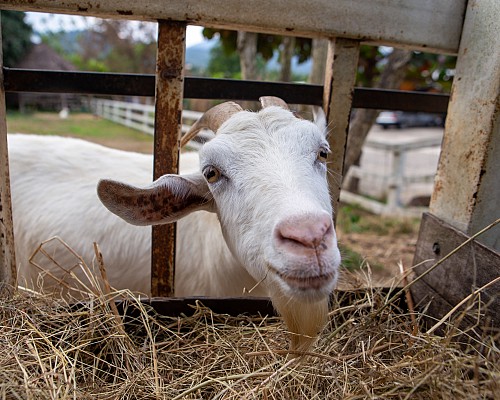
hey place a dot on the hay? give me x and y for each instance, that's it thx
(370, 349)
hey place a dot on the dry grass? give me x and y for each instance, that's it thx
(370, 349)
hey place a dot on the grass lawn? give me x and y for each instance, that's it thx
(81, 125)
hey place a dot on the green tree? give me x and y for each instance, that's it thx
(120, 46)
(222, 64)
(16, 37)
(254, 49)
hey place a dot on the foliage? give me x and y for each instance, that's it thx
(109, 45)
(16, 37)
(426, 71)
(223, 64)
(267, 46)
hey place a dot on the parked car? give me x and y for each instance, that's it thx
(403, 119)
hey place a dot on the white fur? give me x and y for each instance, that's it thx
(53, 182)
(271, 174)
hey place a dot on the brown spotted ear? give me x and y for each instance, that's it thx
(166, 200)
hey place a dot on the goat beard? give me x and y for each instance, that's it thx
(304, 320)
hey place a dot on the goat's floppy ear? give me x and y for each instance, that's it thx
(166, 200)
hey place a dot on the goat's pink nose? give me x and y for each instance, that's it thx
(310, 231)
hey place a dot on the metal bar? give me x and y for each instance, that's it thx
(399, 100)
(341, 67)
(426, 25)
(467, 186)
(19, 80)
(7, 253)
(168, 124)
(235, 306)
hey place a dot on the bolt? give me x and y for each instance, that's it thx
(436, 248)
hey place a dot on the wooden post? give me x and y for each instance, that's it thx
(467, 186)
(168, 124)
(340, 76)
(7, 257)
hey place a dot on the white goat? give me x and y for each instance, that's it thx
(260, 192)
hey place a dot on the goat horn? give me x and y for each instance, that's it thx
(212, 119)
(268, 101)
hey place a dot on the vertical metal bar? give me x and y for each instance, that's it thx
(7, 256)
(467, 186)
(168, 123)
(340, 76)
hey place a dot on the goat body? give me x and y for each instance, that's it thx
(253, 210)
(53, 184)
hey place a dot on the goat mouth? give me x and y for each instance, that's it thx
(306, 282)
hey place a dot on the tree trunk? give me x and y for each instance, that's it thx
(391, 78)
(286, 54)
(318, 54)
(247, 49)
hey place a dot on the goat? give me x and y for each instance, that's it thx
(253, 208)
(264, 176)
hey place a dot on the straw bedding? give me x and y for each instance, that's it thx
(370, 349)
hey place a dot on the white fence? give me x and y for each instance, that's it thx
(134, 115)
(400, 178)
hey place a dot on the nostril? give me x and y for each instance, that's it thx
(305, 231)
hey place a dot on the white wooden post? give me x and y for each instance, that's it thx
(467, 186)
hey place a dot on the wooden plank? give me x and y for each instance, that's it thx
(430, 25)
(341, 67)
(467, 187)
(7, 254)
(168, 125)
(470, 268)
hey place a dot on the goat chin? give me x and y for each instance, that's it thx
(305, 320)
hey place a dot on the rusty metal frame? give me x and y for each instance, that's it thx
(474, 106)
(7, 253)
(340, 76)
(168, 124)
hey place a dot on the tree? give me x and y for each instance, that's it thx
(253, 48)
(16, 37)
(223, 65)
(391, 78)
(120, 46)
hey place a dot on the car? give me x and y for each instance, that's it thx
(403, 119)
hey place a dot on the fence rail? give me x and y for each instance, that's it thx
(135, 115)
(394, 181)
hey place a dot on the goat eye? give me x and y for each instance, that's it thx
(211, 174)
(322, 155)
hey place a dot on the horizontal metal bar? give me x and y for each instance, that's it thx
(45, 81)
(384, 99)
(429, 25)
(234, 306)
(98, 83)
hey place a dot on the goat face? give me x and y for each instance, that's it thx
(266, 173)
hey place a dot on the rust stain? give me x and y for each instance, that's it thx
(125, 12)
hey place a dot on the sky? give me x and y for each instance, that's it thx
(43, 22)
